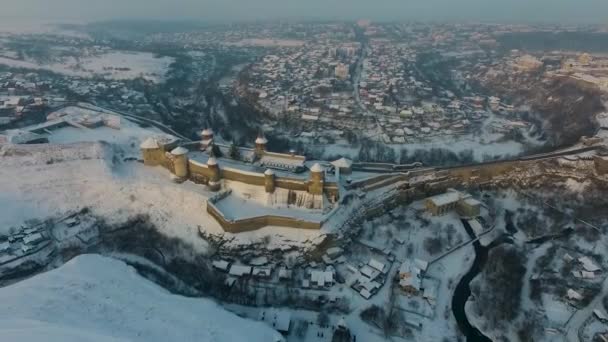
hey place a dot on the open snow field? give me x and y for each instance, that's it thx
(116, 65)
(94, 298)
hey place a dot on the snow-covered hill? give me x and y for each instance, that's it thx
(94, 298)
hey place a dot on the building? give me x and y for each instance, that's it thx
(343, 166)
(410, 276)
(341, 71)
(280, 320)
(464, 204)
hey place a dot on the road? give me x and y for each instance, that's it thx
(357, 80)
(577, 320)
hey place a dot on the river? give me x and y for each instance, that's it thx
(463, 289)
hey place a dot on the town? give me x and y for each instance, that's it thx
(355, 180)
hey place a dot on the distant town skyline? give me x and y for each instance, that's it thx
(545, 11)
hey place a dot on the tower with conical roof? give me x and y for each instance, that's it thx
(269, 181)
(214, 171)
(260, 145)
(180, 162)
(317, 179)
(151, 152)
(206, 138)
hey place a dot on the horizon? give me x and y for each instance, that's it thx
(581, 12)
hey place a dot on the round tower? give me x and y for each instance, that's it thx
(151, 152)
(260, 145)
(269, 181)
(207, 134)
(317, 178)
(214, 174)
(180, 162)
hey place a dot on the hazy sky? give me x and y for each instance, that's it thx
(571, 11)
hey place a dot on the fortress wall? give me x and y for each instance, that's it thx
(332, 189)
(249, 178)
(254, 223)
(284, 156)
(199, 173)
(291, 183)
(485, 172)
(369, 181)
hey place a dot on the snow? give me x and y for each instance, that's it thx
(116, 65)
(39, 181)
(317, 168)
(149, 143)
(94, 298)
(179, 151)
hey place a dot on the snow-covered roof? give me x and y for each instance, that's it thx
(178, 151)
(588, 264)
(342, 163)
(376, 264)
(317, 168)
(207, 131)
(149, 143)
(240, 270)
(221, 264)
(444, 199)
(269, 172)
(574, 295)
(212, 161)
(278, 319)
(261, 140)
(321, 278)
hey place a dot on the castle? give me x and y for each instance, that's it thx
(284, 178)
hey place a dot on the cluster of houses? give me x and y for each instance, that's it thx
(22, 242)
(370, 277)
(406, 105)
(310, 83)
(584, 269)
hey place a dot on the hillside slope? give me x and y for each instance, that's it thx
(94, 298)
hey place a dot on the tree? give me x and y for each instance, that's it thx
(216, 151)
(234, 152)
(322, 319)
(341, 335)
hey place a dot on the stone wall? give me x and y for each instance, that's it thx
(243, 177)
(254, 223)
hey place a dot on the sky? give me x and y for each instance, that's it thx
(558, 11)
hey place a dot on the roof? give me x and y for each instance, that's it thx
(212, 161)
(179, 151)
(588, 264)
(472, 202)
(278, 319)
(261, 140)
(317, 168)
(207, 131)
(444, 199)
(376, 264)
(221, 264)
(574, 295)
(342, 163)
(240, 270)
(149, 144)
(369, 272)
(321, 277)
(269, 172)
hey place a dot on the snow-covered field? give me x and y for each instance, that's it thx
(94, 298)
(118, 65)
(49, 180)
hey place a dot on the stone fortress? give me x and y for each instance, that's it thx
(280, 188)
(257, 188)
